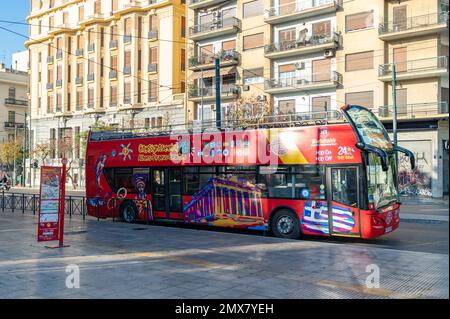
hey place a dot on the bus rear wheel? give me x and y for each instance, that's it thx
(128, 212)
(285, 224)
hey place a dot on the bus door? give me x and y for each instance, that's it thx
(343, 200)
(166, 192)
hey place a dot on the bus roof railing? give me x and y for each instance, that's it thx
(251, 122)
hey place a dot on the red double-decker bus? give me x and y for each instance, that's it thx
(307, 176)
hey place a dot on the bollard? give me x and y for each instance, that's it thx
(23, 204)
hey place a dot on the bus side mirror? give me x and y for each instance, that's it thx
(408, 153)
(382, 154)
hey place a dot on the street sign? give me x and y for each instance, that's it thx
(49, 203)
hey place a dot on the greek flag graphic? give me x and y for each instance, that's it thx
(315, 218)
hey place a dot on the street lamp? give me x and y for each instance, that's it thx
(24, 139)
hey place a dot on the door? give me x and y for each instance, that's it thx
(402, 102)
(343, 200)
(400, 56)
(166, 191)
(399, 14)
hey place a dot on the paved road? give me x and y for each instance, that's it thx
(117, 260)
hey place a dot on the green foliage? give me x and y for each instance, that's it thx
(9, 151)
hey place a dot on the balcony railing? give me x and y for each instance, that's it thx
(152, 35)
(13, 125)
(79, 52)
(414, 110)
(59, 55)
(309, 41)
(50, 59)
(127, 70)
(208, 91)
(90, 77)
(91, 47)
(58, 83)
(127, 100)
(113, 74)
(79, 80)
(152, 67)
(215, 25)
(13, 101)
(420, 65)
(49, 86)
(421, 21)
(298, 7)
(127, 38)
(298, 81)
(224, 56)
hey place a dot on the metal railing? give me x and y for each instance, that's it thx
(113, 44)
(414, 110)
(298, 81)
(13, 101)
(208, 91)
(249, 122)
(152, 35)
(436, 63)
(14, 125)
(224, 56)
(215, 25)
(298, 6)
(309, 41)
(421, 21)
(29, 203)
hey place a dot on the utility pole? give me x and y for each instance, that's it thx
(201, 98)
(218, 107)
(394, 100)
(14, 152)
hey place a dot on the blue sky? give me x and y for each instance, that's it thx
(12, 10)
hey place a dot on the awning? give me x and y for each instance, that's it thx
(212, 73)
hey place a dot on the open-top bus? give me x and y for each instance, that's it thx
(328, 177)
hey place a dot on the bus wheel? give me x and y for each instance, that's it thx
(285, 224)
(128, 212)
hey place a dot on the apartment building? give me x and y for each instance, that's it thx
(116, 62)
(312, 56)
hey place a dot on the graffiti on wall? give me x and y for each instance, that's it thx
(416, 181)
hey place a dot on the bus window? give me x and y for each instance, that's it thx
(124, 178)
(309, 182)
(191, 180)
(344, 186)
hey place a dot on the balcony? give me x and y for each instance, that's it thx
(49, 86)
(91, 47)
(113, 44)
(152, 67)
(152, 35)
(226, 58)
(14, 125)
(127, 100)
(58, 83)
(315, 43)
(79, 52)
(50, 59)
(300, 9)
(79, 80)
(127, 38)
(152, 99)
(208, 93)
(15, 102)
(59, 55)
(199, 4)
(415, 111)
(112, 74)
(214, 29)
(295, 84)
(414, 69)
(90, 77)
(413, 26)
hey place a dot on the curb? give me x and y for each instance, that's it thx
(412, 218)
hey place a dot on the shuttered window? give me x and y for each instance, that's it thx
(113, 32)
(113, 94)
(320, 105)
(400, 57)
(253, 76)
(206, 52)
(359, 21)
(321, 28)
(286, 35)
(360, 98)
(321, 70)
(127, 26)
(115, 5)
(80, 13)
(127, 92)
(253, 41)
(79, 99)
(253, 8)
(127, 59)
(286, 107)
(229, 45)
(286, 68)
(359, 61)
(153, 90)
(153, 53)
(287, 6)
(97, 6)
(114, 62)
(153, 22)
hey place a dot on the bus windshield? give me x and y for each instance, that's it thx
(382, 190)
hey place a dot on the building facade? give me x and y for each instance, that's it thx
(112, 62)
(312, 56)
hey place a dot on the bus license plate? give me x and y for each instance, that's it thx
(388, 229)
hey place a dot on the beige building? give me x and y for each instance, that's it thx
(117, 62)
(316, 55)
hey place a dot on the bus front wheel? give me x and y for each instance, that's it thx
(128, 212)
(285, 224)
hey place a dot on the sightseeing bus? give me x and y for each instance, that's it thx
(301, 176)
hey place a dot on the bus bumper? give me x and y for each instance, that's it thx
(376, 224)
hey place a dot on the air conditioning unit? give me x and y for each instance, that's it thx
(329, 53)
(300, 65)
(246, 88)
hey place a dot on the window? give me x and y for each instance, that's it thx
(113, 32)
(11, 116)
(58, 72)
(360, 98)
(114, 5)
(359, 21)
(183, 60)
(127, 26)
(50, 104)
(320, 105)
(80, 70)
(114, 62)
(153, 22)
(229, 45)
(321, 70)
(77, 141)
(400, 58)
(153, 91)
(183, 27)
(299, 182)
(58, 101)
(253, 8)
(51, 22)
(321, 28)
(79, 96)
(253, 41)
(113, 95)
(286, 106)
(90, 97)
(102, 37)
(286, 37)
(65, 17)
(344, 183)
(153, 54)
(127, 59)
(69, 97)
(91, 66)
(253, 76)
(12, 93)
(359, 61)
(97, 7)
(80, 13)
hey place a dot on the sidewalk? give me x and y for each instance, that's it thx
(420, 209)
